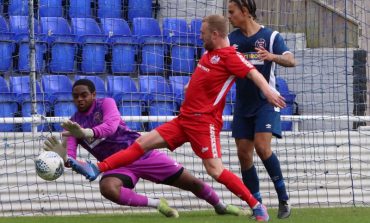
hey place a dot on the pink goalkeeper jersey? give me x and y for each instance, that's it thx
(211, 81)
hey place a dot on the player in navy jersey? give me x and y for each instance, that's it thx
(255, 121)
(200, 118)
(103, 133)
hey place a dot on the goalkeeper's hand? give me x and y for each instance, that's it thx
(88, 169)
(54, 144)
(74, 129)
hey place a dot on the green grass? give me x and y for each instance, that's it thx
(324, 215)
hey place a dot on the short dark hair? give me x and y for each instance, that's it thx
(85, 82)
(249, 4)
(217, 23)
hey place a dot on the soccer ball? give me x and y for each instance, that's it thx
(49, 165)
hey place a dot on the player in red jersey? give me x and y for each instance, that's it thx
(200, 118)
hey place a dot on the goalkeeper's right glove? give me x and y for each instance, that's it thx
(88, 169)
(53, 144)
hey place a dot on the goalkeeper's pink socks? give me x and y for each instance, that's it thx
(122, 158)
(236, 186)
(208, 194)
(130, 198)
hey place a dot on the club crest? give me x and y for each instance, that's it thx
(260, 43)
(215, 59)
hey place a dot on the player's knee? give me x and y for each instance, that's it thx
(264, 152)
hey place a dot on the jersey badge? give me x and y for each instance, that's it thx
(215, 59)
(260, 43)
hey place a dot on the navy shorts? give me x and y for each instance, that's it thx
(266, 119)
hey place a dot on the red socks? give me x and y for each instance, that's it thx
(122, 158)
(236, 186)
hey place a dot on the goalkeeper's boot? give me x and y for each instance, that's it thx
(232, 210)
(284, 209)
(88, 169)
(260, 213)
(166, 210)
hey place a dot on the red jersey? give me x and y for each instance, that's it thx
(212, 80)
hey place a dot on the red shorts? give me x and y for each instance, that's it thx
(203, 135)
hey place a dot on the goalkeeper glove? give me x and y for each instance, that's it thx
(88, 169)
(74, 129)
(53, 144)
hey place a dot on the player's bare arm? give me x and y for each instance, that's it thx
(285, 60)
(272, 95)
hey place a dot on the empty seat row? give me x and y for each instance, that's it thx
(84, 8)
(85, 39)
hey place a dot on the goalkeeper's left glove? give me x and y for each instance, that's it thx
(88, 169)
(74, 129)
(53, 144)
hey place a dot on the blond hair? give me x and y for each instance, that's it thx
(217, 23)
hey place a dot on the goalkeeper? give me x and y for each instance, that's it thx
(98, 127)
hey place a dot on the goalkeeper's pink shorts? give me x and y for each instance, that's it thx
(155, 166)
(202, 133)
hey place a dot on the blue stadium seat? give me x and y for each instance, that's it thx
(124, 46)
(129, 100)
(23, 57)
(139, 8)
(93, 44)
(18, 7)
(8, 106)
(110, 8)
(231, 96)
(152, 49)
(59, 87)
(62, 44)
(228, 110)
(7, 46)
(20, 86)
(50, 8)
(63, 109)
(3, 25)
(177, 84)
(19, 26)
(195, 25)
(159, 96)
(289, 96)
(182, 49)
(98, 82)
(114, 27)
(80, 9)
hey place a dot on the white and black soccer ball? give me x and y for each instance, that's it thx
(49, 165)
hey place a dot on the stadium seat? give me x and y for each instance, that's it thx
(228, 110)
(59, 88)
(231, 96)
(195, 25)
(139, 8)
(7, 46)
(152, 49)
(182, 50)
(20, 86)
(110, 8)
(62, 44)
(80, 9)
(8, 106)
(129, 100)
(289, 96)
(19, 26)
(18, 8)
(93, 44)
(124, 46)
(159, 96)
(98, 82)
(50, 8)
(177, 84)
